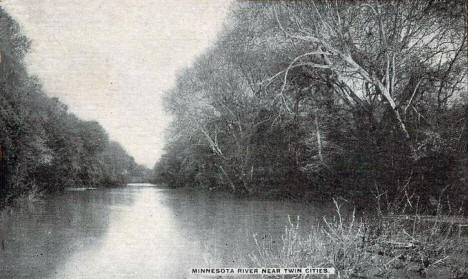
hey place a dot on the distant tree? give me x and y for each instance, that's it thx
(117, 165)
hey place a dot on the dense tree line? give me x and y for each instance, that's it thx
(351, 98)
(44, 147)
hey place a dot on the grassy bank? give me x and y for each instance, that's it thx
(376, 246)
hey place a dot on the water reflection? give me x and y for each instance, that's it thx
(36, 239)
(141, 242)
(138, 232)
(224, 226)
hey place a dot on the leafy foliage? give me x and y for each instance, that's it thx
(45, 148)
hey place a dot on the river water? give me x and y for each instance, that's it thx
(139, 231)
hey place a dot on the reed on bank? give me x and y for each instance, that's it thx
(385, 246)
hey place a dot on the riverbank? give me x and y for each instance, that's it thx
(373, 246)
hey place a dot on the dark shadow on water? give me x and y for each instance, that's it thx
(223, 226)
(39, 237)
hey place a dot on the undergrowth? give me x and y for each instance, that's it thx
(383, 246)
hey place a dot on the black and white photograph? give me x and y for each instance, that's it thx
(233, 139)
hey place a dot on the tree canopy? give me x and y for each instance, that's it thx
(45, 147)
(340, 97)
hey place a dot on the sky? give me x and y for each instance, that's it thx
(111, 60)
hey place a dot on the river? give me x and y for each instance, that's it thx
(138, 231)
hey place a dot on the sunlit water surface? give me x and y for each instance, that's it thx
(139, 231)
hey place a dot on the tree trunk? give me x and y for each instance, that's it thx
(463, 142)
(233, 187)
(319, 137)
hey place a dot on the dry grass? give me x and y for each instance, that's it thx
(369, 247)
